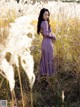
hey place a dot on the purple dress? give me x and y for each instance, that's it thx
(46, 62)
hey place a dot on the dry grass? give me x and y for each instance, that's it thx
(66, 55)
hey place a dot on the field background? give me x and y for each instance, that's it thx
(65, 22)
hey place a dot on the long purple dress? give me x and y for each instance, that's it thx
(46, 62)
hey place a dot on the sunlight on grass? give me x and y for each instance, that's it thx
(65, 24)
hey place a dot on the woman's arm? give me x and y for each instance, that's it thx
(46, 32)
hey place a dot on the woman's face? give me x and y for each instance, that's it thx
(46, 15)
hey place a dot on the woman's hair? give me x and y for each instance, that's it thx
(40, 19)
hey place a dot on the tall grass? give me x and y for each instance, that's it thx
(66, 61)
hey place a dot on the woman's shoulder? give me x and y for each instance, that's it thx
(44, 22)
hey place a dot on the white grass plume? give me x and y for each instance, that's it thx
(17, 44)
(9, 72)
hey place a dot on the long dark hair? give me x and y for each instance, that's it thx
(40, 19)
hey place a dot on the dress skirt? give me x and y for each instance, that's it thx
(46, 62)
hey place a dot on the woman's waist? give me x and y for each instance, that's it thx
(46, 37)
(46, 41)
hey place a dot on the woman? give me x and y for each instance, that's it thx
(43, 27)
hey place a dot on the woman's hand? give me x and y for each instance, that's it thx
(53, 36)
